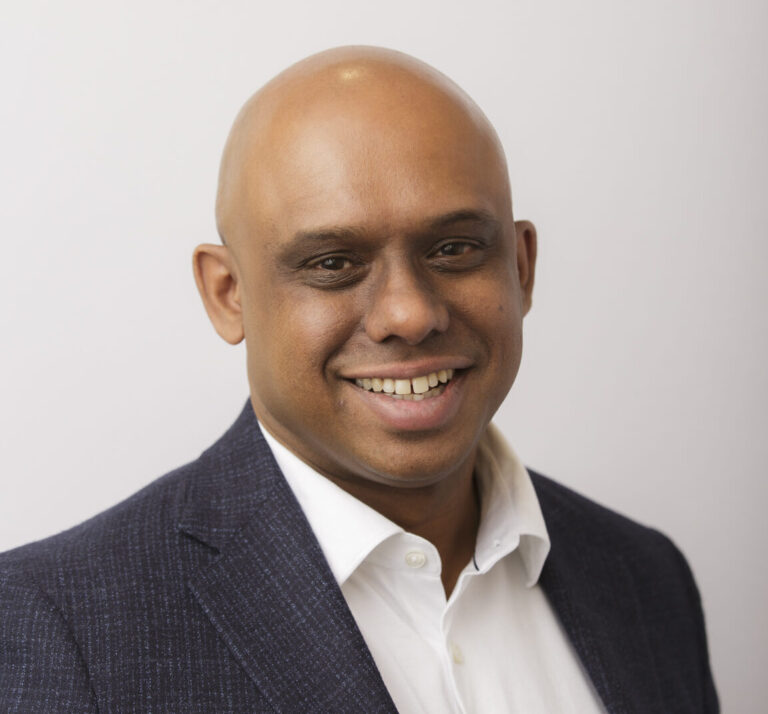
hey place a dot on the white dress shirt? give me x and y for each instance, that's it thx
(495, 645)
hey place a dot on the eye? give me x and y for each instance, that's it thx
(455, 248)
(333, 271)
(333, 262)
(456, 255)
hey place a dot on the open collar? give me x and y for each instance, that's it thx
(270, 593)
(275, 602)
(348, 530)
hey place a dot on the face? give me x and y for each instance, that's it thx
(380, 258)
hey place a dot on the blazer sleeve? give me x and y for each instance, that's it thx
(41, 666)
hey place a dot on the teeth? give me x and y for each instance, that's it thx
(402, 386)
(411, 389)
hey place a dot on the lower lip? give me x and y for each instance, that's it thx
(405, 415)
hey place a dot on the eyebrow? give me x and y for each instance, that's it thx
(446, 220)
(465, 215)
(326, 234)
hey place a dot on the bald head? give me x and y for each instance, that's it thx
(358, 96)
(365, 206)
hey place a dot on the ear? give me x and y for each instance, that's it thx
(219, 286)
(525, 233)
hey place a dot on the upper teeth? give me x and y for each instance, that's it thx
(416, 385)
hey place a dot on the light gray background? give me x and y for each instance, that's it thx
(636, 135)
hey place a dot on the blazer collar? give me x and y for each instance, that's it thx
(592, 591)
(270, 593)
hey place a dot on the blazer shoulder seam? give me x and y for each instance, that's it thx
(30, 582)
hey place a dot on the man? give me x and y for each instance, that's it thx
(360, 539)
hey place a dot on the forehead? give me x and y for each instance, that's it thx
(372, 164)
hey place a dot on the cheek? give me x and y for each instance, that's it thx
(294, 332)
(507, 342)
(492, 308)
(491, 305)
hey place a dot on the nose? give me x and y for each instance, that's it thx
(404, 305)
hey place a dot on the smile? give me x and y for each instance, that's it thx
(414, 389)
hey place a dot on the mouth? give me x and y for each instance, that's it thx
(428, 402)
(415, 389)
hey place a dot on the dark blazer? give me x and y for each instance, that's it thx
(208, 592)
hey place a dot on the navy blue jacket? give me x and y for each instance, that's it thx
(208, 592)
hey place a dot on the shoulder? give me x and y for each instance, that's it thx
(109, 543)
(588, 539)
(632, 585)
(597, 525)
(135, 540)
(57, 592)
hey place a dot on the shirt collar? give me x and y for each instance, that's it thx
(510, 516)
(348, 530)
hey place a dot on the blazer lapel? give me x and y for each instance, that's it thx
(270, 593)
(593, 593)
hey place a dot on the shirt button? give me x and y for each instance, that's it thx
(415, 559)
(456, 654)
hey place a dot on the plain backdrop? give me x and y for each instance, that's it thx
(636, 138)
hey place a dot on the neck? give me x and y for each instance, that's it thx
(447, 514)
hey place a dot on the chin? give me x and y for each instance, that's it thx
(415, 472)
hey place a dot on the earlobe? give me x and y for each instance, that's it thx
(219, 286)
(526, 246)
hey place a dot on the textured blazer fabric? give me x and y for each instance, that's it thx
(208, 592)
